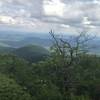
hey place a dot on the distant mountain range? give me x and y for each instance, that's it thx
(10, 40)
(16, 40)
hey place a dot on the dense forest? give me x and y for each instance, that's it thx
(66, 72)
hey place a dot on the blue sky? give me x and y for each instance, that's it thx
(43, 15)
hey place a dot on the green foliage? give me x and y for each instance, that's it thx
(10, 90)
(44, 80)
(33, 78)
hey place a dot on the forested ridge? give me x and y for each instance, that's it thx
(68, 73)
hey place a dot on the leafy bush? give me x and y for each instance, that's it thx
(10, 90)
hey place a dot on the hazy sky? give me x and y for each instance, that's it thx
(43, 15)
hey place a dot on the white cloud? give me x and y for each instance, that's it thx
(46, 14)
(54, 8)
(96, 2)
(86, 21)
(65, 26)
(7, 20)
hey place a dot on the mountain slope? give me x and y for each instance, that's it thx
(4, 48)
(32, 53)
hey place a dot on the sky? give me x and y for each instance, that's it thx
(66, 16)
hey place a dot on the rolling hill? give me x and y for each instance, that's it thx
(5, 49)
(32, 53)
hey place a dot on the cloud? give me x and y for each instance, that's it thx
(53, 8)
(41, 15)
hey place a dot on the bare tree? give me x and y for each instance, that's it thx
(69, 53)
